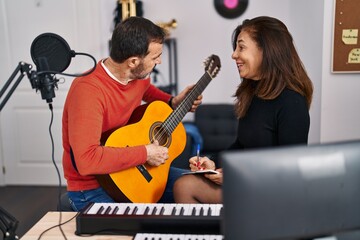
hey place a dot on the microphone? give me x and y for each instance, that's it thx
(46, 82)
(51, 55)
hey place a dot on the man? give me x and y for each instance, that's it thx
(104, 101)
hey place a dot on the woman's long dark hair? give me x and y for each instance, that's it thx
(281, 66)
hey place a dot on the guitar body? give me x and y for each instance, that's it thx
(132, 185)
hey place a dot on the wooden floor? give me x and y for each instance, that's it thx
(28, 204)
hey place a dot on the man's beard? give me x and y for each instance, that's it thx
(138, 72)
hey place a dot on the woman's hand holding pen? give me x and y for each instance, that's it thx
(201, 163)
(204, 163)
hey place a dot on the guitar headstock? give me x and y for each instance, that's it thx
(212, 65)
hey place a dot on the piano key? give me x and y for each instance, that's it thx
(122, 209)
(153, 212)
(158, 209)
(93, 209)
(216, 210)
(140, 209)
(164, 236)
(168, 209)
(196, 210)
(107, 210)
(100, 210)
(207, 209)
(187, 209)
(162, 210)
(178, 208)
(151, 209)
(115, 210)
(127, 210)
(147, 209)
(181, 211)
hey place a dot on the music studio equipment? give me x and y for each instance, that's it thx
(177, 236)
(51, 55)
(132, 218)
(49, 52)
(8, 225)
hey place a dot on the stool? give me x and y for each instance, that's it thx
(64, 204)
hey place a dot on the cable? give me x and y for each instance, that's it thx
(73, 75)
(58, 225)
(59, 177)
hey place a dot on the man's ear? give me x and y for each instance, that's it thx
(133, 62)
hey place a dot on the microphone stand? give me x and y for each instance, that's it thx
(23, 68)
(8, 225)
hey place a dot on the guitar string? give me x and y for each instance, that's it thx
(178, 115)
(203, 85)
(164, 131)
(168, 126)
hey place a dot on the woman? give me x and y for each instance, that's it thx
(272, 102)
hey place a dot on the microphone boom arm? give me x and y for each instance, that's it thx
(23, 68)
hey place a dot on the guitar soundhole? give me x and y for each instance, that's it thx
(157, 132)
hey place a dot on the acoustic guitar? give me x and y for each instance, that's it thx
(149, 122)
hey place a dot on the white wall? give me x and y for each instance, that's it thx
(307, 31)
(340, 98)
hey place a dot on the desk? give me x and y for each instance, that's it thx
(52, 218)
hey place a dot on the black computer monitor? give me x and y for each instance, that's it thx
(297, 192)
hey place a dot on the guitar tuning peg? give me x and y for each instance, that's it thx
(206, 61)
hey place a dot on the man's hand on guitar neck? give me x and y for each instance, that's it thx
(175, 101)
(156, 155)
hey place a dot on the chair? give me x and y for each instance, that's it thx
(217, 125)
(216, 130)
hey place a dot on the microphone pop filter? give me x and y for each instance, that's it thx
(54, 49)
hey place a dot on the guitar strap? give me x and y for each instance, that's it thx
(73, 159)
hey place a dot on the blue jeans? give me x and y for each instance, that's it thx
(80, 199)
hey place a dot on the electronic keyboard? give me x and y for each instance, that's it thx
(132, 218)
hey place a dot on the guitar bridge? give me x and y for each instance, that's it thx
(144, 172)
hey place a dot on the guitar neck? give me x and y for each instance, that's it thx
(179, 113)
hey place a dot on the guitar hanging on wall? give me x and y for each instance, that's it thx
(149, 122)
